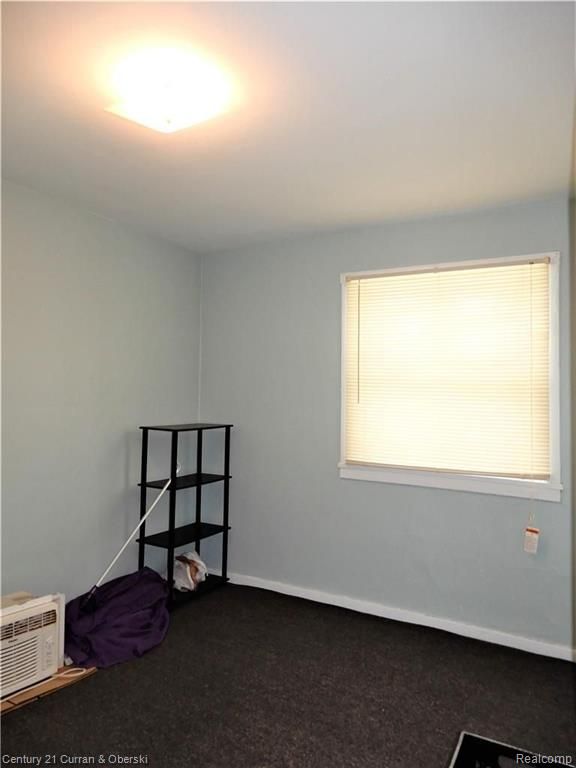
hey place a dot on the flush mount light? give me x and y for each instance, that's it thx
(168, 89)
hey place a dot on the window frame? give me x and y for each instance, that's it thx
(545, 490)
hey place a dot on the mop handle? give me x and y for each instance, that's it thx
(129, 539)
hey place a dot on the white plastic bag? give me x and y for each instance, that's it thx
(189, 571)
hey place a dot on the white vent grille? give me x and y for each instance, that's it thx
(19, 662)
(34, 622)
(31, 645)
(48, 618)
(28, 624)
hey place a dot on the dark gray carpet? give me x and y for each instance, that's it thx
(252, 679)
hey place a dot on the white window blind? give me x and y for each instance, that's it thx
(448, 369)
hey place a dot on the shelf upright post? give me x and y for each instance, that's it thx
(143, 481)
(198, 489)
(172, 513)
(226, 500)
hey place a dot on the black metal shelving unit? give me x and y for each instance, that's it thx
(194, 532)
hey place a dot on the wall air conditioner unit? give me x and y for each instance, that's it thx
(31, 640)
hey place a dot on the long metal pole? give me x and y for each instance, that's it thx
(129, 539)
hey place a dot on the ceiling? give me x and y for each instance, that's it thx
(350, 113)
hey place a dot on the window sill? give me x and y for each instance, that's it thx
(497, 486)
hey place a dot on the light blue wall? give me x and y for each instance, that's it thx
(100, 335)
(271, 365)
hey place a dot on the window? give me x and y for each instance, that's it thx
(450, 376)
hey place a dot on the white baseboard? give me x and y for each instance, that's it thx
(529, 644)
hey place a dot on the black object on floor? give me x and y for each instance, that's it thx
(195, 532)
(252, 679)
(475, 752)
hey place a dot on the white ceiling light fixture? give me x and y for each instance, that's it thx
(168, 89)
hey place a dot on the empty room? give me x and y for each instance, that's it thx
(287, 379)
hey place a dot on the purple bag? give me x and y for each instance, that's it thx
(125, 618)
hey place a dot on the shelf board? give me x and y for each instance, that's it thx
(212, 582)
(187, 481)
(200, 426)
(185, 534)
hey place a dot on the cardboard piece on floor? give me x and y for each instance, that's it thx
(20, 699)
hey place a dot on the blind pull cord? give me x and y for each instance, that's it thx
(359, 305)
(531, 532)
